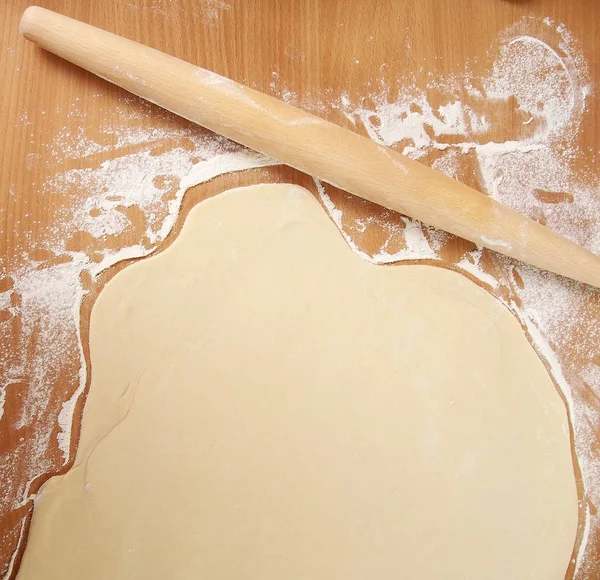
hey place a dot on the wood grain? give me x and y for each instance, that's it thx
(316, 47)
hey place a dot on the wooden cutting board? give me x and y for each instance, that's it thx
(325, 56)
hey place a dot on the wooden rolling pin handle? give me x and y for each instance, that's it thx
(309, 143)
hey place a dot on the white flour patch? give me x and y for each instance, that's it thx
(336, 216)
(471, 263)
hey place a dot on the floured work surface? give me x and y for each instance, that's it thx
(266, 404)
(93, 175)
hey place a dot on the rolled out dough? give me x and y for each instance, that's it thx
(266, 405)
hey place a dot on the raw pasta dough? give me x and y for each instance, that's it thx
(267, 405)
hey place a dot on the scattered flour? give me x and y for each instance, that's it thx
(537, 75)
(208, 10)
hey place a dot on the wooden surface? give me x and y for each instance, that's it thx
(312, 48)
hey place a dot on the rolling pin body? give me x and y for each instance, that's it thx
(311, 144)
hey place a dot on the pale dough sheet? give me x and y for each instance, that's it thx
(265, 405)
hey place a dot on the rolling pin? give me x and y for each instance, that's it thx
(322, 149)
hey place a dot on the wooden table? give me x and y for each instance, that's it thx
(324, 55)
